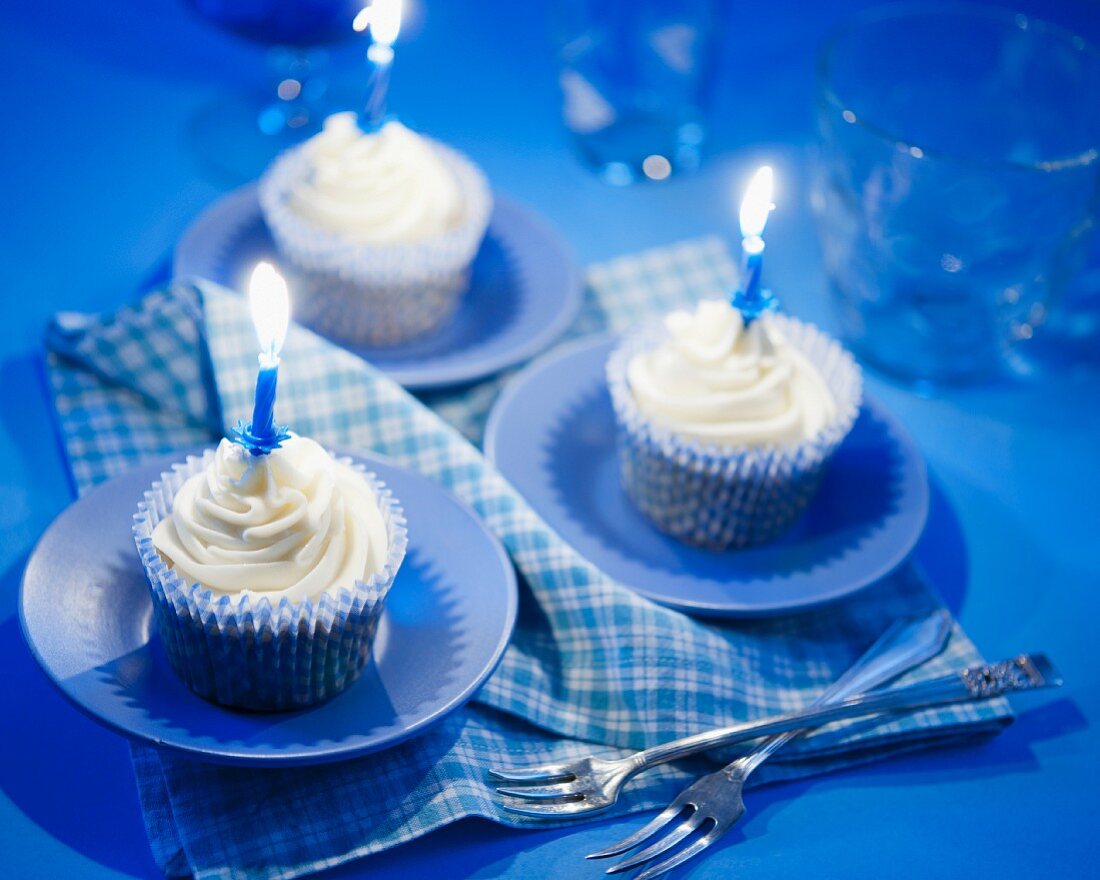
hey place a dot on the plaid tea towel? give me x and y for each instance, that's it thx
(591, 664)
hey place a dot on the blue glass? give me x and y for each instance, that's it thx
(238, 134)
(957, 185)
(283, 22)
(634, 80)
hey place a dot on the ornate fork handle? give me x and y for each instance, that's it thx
(892, 655)
(1022, 673)
(713, 803)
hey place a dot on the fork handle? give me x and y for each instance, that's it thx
(1023, 673)
(904, 646)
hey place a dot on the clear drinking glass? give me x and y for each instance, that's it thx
(634, 82)
(957, 183)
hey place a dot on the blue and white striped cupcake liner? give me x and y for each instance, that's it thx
(717, 497)
(251, 652)
(374, 294)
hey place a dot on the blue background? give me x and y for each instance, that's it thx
(99, 179)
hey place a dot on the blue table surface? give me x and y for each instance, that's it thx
(100, 178)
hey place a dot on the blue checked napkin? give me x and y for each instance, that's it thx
(591, 664)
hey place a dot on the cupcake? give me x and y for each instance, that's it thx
(377, 230)
(268, 572)
(725, 428)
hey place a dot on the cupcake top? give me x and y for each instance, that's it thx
(719, 382)
(291, 524)
(384, 187)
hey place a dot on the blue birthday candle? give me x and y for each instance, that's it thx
(750, 298)
(383, 17)
(270, 304)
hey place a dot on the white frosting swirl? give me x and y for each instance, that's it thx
(716, 381)
(294, 523)
(386, 187)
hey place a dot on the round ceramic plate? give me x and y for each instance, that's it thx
(524, 292)
(552, 434)
(87, 617)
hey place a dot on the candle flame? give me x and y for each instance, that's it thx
(267, 295)
(756, 204)
(383, 17)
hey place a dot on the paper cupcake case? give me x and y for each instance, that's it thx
(374, 294)
(252, 653)
(720, 498)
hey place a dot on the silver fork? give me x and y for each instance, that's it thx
(715, 800)
(590, 784)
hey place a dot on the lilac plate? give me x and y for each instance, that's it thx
(524, 292)
(552, 434)
(87, 616)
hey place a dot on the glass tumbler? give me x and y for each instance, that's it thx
(634, 82)
(956, 185)
(239, 133)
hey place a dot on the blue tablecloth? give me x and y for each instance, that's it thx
(102, 178)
